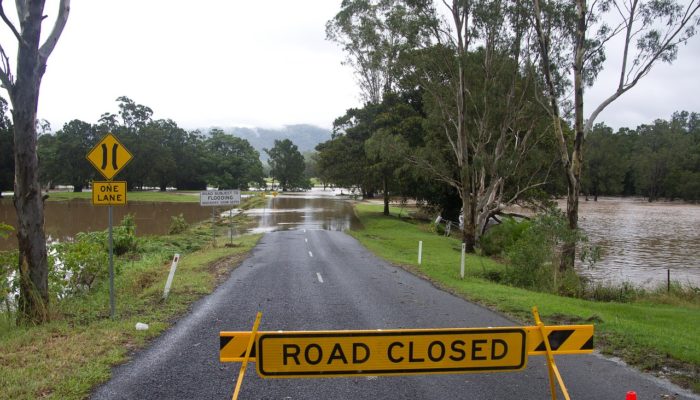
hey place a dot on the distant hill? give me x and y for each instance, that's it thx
(306, 137)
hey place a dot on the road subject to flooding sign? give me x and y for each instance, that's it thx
(392, 352)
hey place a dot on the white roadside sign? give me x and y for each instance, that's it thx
(219, 197)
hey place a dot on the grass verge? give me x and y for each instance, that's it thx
(67, 357)
(653, 336)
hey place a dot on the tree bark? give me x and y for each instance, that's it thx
(24, 94)
(574, 176)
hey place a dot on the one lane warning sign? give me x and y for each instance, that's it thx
(392, 352)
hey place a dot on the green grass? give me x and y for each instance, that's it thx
(646, 333)
(67, 357)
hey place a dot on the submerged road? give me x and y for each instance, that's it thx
(316, 280)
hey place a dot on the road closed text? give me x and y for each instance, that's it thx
(391, 352)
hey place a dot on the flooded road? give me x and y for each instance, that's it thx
(641, 240)
(312, 210)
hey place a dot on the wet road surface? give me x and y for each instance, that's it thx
(314, 279)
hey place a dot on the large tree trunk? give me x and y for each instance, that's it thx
(24, 95)
(468, 226)
(574, 176)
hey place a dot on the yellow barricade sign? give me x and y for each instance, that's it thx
(319, 354)
(563, 339)
(393, 352)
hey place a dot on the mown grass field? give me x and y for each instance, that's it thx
(649, 333)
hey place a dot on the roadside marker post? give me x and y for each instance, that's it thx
(323, 354)
(169, 282)
(461, 264)
(420, 252)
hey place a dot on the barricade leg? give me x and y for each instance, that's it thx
(241, 374)
(551, 365)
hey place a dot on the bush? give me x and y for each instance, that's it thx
(178, 225)
(124, 236)
(534, 257)
(9, 279)
(80, 265)
(502, 236)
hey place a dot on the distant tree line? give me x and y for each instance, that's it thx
(657, 161)
(165, 155)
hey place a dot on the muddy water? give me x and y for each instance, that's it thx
(313, 210)
(66, 218)
(641, 240)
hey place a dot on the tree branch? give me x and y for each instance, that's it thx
(10, 24)
(48, 46)
(6, 72)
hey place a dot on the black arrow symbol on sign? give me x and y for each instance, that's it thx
(115, 146)
(104, 156)
(114, 156)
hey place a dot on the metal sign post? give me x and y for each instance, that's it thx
(109, 156)
(111, 267)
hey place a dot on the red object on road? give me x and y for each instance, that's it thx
(631, 395)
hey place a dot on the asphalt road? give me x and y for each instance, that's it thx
(316, 280)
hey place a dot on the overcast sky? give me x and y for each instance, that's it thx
(252, 63)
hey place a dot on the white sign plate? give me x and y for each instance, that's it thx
(219, 197)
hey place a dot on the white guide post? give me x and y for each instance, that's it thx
(169, 282)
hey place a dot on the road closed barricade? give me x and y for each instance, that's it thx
(319, 354)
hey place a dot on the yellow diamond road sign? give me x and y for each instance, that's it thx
(109, 156)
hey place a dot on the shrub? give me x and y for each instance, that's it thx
(9, 279)
(124, 236)
(502, 236)
(534, 257)
(178, 225)
(80, 265)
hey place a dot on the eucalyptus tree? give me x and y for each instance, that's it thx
(373, 33)
(479, 94)
(571, 42)
(23, 87)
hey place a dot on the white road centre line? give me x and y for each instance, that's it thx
(311, 254)
(320, 278)
(306, 240)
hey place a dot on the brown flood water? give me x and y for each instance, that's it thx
(66, 218)
(641, 240)
(312, 210)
